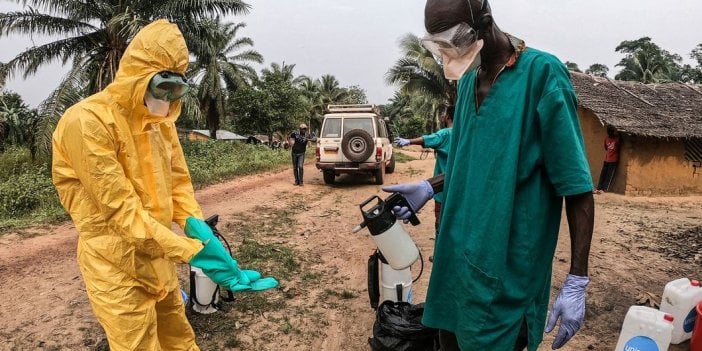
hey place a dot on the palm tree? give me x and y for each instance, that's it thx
(330, 90)
(284, 71)
(419, 72)
(94, 35)
(97, 32)
(312, 100)
(646, 62)
(18, 123)
(222, 65)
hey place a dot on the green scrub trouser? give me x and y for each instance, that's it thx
(448, 341)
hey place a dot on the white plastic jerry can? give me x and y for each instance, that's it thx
(397, 246)
(645, 329)
(204, 293)
(396, 285)
(679, 299)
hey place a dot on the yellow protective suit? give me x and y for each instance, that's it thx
(121, 174)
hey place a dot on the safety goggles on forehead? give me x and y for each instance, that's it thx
(455, 41)
(168, 86)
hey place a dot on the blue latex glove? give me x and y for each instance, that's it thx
(217, 263)
(570, 307)
(417, 194)
(401, 142)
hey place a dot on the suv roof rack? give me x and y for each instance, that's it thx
(353, 108)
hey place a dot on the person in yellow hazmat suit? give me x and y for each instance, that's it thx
(120, 173)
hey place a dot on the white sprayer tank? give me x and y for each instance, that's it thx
(645, 329)
(203, 292)
(679, 300)
(397, 246)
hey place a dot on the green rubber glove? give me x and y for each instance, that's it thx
(251, 274)
(264, 284)
(214, 260)
(218, 264)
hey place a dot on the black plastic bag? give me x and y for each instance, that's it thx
(398, 327)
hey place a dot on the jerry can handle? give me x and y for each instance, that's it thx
(368, 200)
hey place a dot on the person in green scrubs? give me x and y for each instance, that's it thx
(516, 154)
(440, 141)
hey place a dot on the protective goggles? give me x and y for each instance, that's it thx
(455, 42)
(168, 86)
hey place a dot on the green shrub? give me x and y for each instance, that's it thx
(27, 195)
(15, 161)
(215, 161)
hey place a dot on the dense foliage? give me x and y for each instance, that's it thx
(26, 191)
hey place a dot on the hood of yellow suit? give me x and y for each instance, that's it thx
(158, 47)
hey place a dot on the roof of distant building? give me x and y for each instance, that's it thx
(665, 110)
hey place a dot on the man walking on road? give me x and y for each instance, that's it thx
(516, 153)
(299, 140)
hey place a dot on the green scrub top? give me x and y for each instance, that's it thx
(510, 165)
(440, 141)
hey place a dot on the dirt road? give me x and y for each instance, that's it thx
(302, 236)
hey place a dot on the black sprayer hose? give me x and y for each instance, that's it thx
(221, 237)
(421, 267)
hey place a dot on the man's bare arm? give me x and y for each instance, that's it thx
(580, 211)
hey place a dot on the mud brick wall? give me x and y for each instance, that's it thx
(658, 167)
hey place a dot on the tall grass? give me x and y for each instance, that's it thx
(214, 161)
(27, 196)
(26, 192)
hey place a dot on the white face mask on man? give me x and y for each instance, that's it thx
(458, 47)
(157, 107)
(456, 66)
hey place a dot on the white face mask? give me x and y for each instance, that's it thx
(456, 66)
(457, 47)
(156, 106)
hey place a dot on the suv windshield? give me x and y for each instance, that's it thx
(359, 123)
(332, 128)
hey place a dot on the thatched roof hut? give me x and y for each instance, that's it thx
(661, 127)
(668, 110)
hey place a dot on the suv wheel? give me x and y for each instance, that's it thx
(357, 145)
(380, 175)
(391, 165)
(328, 177)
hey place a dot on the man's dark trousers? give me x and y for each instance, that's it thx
(298, 163)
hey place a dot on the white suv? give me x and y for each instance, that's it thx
(354, 139)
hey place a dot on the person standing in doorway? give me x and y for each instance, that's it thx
(299, 140)
(612, 144)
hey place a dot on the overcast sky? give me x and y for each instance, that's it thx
(356, 40)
